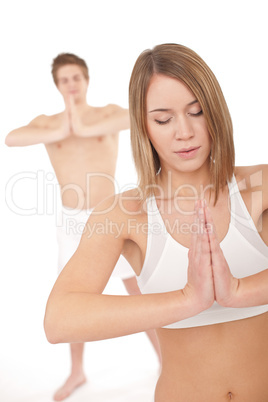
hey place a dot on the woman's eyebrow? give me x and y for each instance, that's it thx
(160, 110)
(191, 103)
(168, 110)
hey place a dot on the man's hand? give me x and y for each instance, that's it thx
(75, 123)
(65, 128)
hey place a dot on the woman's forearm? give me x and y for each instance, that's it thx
(84, 317)
(251, 291)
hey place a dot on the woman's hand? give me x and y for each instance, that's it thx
(200, 286)
(225, 285)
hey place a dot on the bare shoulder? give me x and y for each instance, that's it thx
(121, 209)
(256, 174)
(104, 111)
(122, 220)
(114, 108)
(121, 205)
(44, 120)
(252, 179)
(111, 109)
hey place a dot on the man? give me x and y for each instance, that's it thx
(82, 144)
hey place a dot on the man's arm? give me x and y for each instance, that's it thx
(117, 119)
(37, 132)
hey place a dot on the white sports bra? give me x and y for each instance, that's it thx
(166, 261)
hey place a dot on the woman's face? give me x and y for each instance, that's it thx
(176, 125)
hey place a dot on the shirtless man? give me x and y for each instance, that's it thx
(82, 144)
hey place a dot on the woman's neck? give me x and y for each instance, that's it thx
(184, 184)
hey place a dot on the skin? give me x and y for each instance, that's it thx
(82, 144)
(212, 363)
(80, 140)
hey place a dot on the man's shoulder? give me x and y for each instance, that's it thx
(109, 109)
(118, 112)
(44, 120)
(113, 107)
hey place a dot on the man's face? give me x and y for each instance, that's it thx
(72, 82)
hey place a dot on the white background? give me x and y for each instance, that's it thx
(232, 38)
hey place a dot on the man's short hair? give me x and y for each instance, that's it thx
(68, 58)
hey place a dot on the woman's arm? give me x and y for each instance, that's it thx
(230, 291)
(78, 312)
(252, 290)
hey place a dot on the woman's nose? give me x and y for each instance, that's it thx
(184, 129)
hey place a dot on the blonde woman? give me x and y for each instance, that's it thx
(195, 234)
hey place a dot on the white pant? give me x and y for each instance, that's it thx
(70, 226)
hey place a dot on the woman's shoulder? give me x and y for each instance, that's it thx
(257, 174)
(252, 179)
(122, 205)
(121, 213)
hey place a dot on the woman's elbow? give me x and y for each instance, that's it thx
(52, 327)
(50, 332)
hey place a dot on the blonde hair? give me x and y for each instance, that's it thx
(179, 62)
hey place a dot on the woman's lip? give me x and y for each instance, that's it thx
(187, 149)
(187, 153)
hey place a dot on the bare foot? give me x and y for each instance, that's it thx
(72, 382)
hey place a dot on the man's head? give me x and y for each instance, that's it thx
(70, 74)
(68, 58)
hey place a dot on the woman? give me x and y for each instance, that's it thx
(196, 243)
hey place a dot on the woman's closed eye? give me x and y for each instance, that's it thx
(196, 114)
(161, 122)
